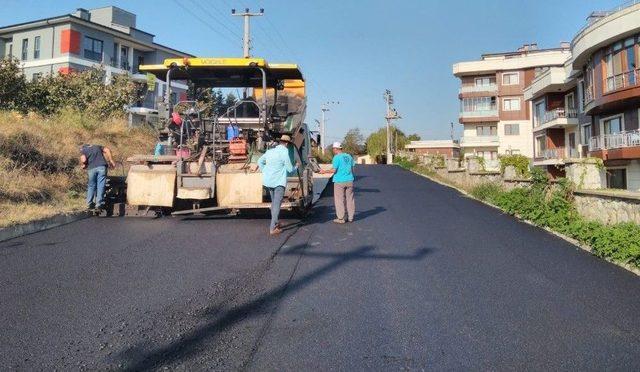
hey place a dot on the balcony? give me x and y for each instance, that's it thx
(621, 81)
(488, 113)
(557, 118)
(615, 141)
(479, 88)
(556, 155)
(479, 141)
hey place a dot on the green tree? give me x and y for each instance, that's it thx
(376, 143)
(12, 84)
(353, 142)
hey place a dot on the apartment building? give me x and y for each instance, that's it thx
(590, 107)
(557, 112)
(493, 110)
(105, 37)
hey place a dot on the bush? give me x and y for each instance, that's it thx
(405, 162)
(487, 191)
(82, 91)
(553, 207)
(519, 162)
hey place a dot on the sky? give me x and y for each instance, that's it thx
(351, 51)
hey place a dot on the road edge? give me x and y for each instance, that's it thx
(572, 241)
(16, 231)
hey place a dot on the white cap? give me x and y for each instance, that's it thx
(337, 145)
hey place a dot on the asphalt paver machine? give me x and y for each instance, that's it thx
(209, 162)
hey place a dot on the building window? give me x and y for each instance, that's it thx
(541, 145)
(612, 125)
(617, 178)
(485, 81)
(510, 78)
(511, 104)
(581, 96)
(124, 57)
(570, 102)
(36, 47)
(36, 76)
(10, 55)
(586, 134)
(478, 104)
(539, 111)
(512, 129)
(93, 49)
(114, 56)
(25, 49)
(487, 155)
(486, 130)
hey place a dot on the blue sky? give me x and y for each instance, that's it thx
(351, 51)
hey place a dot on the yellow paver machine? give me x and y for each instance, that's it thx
(208, 162)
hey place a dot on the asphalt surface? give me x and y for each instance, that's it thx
(425, 278)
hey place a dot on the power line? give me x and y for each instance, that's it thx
(215, 18)
(196, 16)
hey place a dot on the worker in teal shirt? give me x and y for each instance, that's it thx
(275, 164)
(343, 195)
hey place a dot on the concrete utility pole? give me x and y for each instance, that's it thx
(246, 40)
(392, 114)
(325, 108)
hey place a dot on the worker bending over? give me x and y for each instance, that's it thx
(275, 164)
(342, 169)
(95, 159)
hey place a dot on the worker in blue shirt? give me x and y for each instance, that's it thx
(342, 169)
(275, 164)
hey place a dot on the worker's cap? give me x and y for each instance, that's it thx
(285, 138)
(337, 145)
(175, 117)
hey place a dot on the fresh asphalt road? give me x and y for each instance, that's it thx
(424, 279)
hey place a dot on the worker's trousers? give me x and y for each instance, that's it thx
(343, 196)
(96, 185)
(277, 194)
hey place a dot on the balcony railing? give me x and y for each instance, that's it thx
(557, 153)
(615, 140)
(622, 80)
(479, 88)
(558, 113)
(478, 140)
(478, 113)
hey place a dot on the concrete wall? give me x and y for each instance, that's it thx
(522, 142)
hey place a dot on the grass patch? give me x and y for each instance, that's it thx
(39, 160)
(553, 207)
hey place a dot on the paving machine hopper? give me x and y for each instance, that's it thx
(208, 162)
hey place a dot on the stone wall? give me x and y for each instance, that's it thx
(591, 200)
(608, 207)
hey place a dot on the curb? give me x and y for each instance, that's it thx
(16, 231)
(572, 241)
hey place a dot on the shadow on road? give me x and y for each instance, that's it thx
(191, 343)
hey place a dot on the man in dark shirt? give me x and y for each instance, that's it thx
(95, 159)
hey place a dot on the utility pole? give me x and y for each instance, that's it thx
(246, 40)
(325, 108)
(391, 114)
